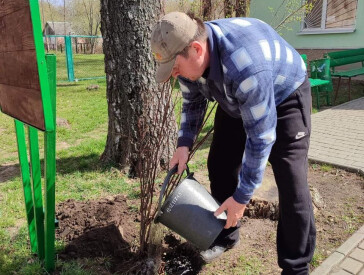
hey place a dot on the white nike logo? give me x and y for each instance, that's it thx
(300, 135)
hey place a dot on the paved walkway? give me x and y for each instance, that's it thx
(347, 259)
(338, 138)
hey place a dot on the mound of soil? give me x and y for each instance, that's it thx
(106, 228)
(103, 228)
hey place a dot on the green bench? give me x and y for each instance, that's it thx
(320, 78)
(346, 57)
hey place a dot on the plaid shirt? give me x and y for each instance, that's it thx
(252, 70)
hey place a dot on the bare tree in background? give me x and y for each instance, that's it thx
(91, 9)
(290, 11)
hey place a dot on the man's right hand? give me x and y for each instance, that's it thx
(180, 157)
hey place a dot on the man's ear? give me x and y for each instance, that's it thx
(197, 48)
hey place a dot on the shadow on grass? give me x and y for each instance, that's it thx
(15, 254)
(67, 84)
(64, 166)
(84, 163)
(9, 265)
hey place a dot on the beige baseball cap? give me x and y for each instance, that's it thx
(170, 36)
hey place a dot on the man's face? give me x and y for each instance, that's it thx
(191, 67)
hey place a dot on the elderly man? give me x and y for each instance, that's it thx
(260, 83)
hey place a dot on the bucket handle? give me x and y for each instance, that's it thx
(164, 186)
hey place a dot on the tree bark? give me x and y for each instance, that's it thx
(242, 8)
(133, 95)
(206, 10)
(228, 8)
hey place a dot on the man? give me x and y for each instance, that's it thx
(261, 85)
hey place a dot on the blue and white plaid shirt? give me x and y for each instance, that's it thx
(252, 70)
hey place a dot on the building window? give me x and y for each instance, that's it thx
(329, 15)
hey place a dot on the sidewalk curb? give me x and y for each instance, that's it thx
(340, 253)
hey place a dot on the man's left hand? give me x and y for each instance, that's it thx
(234, 210)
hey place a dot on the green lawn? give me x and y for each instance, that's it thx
(80, 143)
(85, 66)
(84, 111)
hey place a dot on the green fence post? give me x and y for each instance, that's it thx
(50, 171)
(69, 58)
(37, 189)
(25, 173)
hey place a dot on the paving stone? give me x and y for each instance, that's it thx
(337, 138)
(351, 265)
(328, 264)
(340, 272)
(361, 230)
(333, 133)
(357, 254)
(351, 243)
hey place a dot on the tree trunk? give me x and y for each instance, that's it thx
(206, 10)
(132, 93)
(228, 8)
(242, 8)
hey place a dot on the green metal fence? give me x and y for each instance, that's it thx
(40, 215)
(79, 57)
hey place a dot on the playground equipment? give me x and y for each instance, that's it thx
(28, 94)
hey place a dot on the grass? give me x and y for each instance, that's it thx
(317, 258)
(351, 219)
(79, 175)
(85, 112)
(85, 65)
(248, 266)
(326, 168)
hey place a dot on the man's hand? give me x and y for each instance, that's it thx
(180, 157)
(234, 209)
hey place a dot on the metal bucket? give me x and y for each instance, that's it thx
(189, 211)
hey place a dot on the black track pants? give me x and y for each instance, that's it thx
(296, 233)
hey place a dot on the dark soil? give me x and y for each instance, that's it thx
(106, 231)
(8, 171)
(97, 229)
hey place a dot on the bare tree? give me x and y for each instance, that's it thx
(91, 8)
(290, 11)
